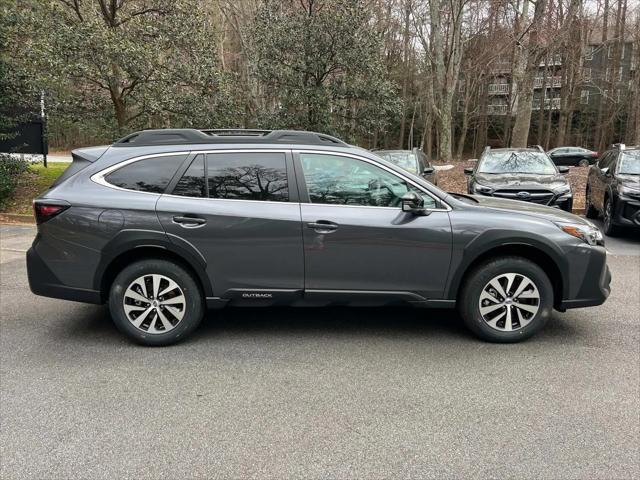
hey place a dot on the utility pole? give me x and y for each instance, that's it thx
(43, 118)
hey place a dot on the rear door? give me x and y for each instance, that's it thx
(358, 242)
(240, 210)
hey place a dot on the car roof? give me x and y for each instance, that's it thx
(393, 151)
(513, 150)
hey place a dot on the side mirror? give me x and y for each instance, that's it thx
(605, 171)
(428, 170)
(563, 169)
(413, 203)
(468, 171)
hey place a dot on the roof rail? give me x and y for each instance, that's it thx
(537, 147)
(186, 136)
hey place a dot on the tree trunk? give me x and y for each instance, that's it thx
(528, 56)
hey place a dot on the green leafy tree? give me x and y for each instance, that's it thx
(152, 63)
(322, 61)
(16, 98)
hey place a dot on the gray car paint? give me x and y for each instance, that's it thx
(248, 245)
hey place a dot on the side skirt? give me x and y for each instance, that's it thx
(322, 298)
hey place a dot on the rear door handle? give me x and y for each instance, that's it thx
(189, 222)
(323, 226)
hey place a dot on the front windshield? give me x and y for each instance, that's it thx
(517, 162)
(630, 163)
(405, 160)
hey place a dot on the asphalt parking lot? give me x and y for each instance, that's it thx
(339, 393)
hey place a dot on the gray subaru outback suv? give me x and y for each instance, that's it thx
(166, 223)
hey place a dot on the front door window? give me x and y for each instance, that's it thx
(339, 180)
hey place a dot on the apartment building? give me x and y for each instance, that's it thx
(606, 76)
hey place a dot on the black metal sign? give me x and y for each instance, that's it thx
(26, 137)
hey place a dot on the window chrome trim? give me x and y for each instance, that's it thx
(100, 179)
(376, 164)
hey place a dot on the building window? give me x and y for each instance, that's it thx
(584, 97)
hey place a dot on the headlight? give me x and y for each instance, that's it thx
(477, 188)
(588, 233)
(563, 190)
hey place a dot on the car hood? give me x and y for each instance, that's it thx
(629, 181)
(520, 180)
(532, 209)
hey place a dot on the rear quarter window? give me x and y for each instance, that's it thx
(149, 175)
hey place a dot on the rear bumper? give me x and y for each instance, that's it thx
(593, 286)
(42, 281)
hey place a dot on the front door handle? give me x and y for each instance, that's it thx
(189, 222)
(323, 226)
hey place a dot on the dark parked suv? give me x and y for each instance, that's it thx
(613, 188)
(525, 174)
(165, 223)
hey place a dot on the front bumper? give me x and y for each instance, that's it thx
(42, 281)
(561, 201)
(590, 282)
(627, 212)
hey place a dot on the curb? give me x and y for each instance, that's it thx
(15, 218)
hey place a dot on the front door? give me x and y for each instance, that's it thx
(241, 218)
(357, 239)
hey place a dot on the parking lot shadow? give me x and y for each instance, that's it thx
(93, 324)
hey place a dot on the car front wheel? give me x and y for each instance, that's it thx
(156, 302)
(506, 300)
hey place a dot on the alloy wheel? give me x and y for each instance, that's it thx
(154, 303)
(583, 163)
(509, 302)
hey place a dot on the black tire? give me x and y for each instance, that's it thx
(474, 284)
(193, 305)
(609, 228)
(583, 162)
(589, 210)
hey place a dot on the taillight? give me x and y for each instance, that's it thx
(46, 211)
(594, 154)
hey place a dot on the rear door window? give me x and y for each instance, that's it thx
(248, 176)
(149, 175)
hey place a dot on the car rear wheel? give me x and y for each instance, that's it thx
(156, 302)
(506, 300)
(589, 210)
(609, 228)
(583, 163)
